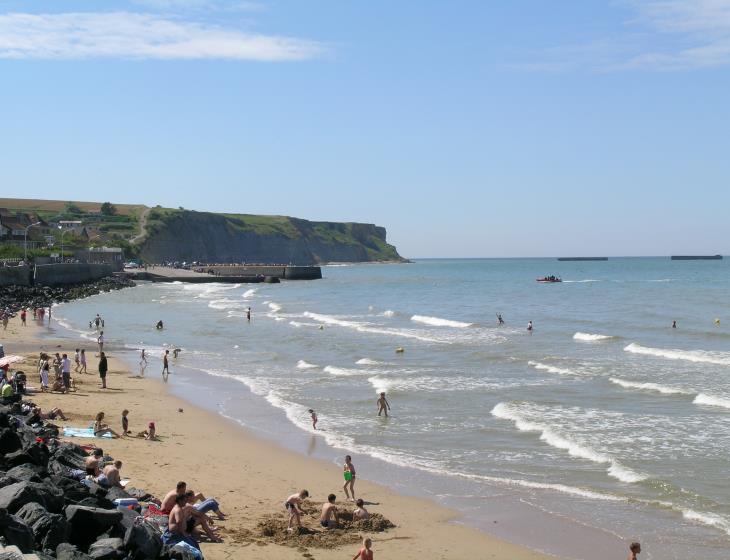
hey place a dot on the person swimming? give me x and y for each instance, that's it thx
(159, 326)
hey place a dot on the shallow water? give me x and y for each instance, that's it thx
(604, 417)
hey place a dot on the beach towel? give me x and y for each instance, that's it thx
(83, 433)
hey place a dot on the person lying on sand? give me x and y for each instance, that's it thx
(329, 519)
(204, 504)
(365, 553)
(360, 513)
(292, 504)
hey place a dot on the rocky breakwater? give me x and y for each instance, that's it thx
(48, 509)
(18, 297)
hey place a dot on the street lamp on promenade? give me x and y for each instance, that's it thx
(25, 240)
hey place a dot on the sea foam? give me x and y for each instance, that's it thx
(587, 337)
(550, 436)
(697, 356)
(551, 369)
(438, 322)
(649, 387)
(301, 364)
(709, 400)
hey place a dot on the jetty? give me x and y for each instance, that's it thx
(229, 274)
(696, 257)
(582, 258)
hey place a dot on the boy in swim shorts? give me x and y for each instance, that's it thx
(348, 471)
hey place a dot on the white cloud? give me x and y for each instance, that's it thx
(200, 5)
(663, 35)
(139, 36)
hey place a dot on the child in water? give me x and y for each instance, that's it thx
(634, 549)
(314, 418)
(383, 405)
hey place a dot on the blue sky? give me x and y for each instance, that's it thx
(466, 128)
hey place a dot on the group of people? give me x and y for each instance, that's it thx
(329, 517)
(101, 428)
(186, 510)
(39, 314)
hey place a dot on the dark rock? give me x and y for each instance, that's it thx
(15, 496)
(49, 529)
(88, 523)
(143, 540)
(4, 419)
(141, 495)
(116, 493)
(9, 441)
(16, 532)
(129, 517)
(66, 551)
(24, 472)
(107, 549)
(39, 453)
(19, 457)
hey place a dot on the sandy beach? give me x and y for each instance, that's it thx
(250, 478)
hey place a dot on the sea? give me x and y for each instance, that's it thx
(602, 426)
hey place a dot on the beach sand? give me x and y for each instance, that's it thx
(250, 478)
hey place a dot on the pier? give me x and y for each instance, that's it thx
(229, 274)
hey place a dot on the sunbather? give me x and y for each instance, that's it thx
(101, 429)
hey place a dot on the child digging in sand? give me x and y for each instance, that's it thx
(366, 552)
(292, 504)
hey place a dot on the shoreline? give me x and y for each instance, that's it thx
(268, 471)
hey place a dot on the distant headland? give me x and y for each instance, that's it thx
(157, 234)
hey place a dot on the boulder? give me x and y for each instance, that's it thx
(15, 496)
(9, 441)
(107, 549)
(27, 472)
(66, 551)
(39, 453)
(16, 532)
(88, 523)
(49, 529)
(19, 457)
(143, 541)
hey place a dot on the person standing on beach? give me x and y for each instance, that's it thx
(142, 363)
(97, 321)
(100, 342)
(348, 471)
(383, 405)
(125, 422)
(23, 317)
(44, 369)
(674, 324)
(366, 552)
(82, 358)
(314, 418)
(77, 360)
(66, 372)
(103, 368)
(165, 365)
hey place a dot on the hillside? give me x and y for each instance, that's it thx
(162, 234)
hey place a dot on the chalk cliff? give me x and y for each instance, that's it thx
(185, 235)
